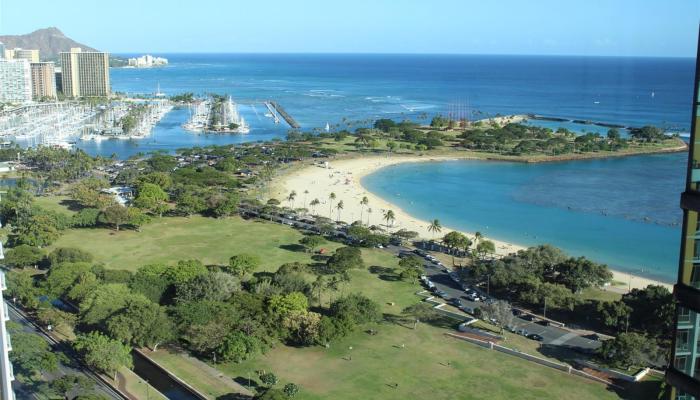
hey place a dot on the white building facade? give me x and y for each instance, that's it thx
(15, 81)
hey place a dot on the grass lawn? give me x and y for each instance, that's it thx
(375, 363)
(210, 383)
(54, 203)
(212, 241)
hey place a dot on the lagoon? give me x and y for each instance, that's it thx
(621, 211)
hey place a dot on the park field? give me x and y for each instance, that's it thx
(398, 362)
(212, 241)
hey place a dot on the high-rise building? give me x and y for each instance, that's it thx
(31, 55)
(6, 372)
(684, 372)
(43, 80)
(15, 81)
(85, 74)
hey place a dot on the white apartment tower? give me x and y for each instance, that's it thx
(15, 81)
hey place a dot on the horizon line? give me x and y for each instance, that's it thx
(394, 53)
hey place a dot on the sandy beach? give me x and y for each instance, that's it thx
(343, 177)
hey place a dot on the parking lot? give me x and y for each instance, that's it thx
(550, 335)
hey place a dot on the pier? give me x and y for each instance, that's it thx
(272, 112)
(283, 113)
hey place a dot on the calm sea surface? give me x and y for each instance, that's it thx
(623, 211)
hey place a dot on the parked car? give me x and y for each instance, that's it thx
(543, 322)
(456, 302)
(529, 317)
(534, 336)
(441, 293)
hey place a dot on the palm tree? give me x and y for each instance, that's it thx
(363, 203)
(331, 197)
(389, 217)
(339, 207)
(291, 197)
(318, 286)
(477, 238)
(369, 211)
(306, 194)
(313, 205)
(435, 227)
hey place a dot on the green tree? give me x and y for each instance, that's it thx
(629, 350)
(389, 217)
(31, 354)
(39, 231)
(184, 271)
(102, 353)
(116, 215)
(411, 268)
(20, 286)
(456, 240)
(291, 390)
(68, 254)
(291, 303)
(140, 323)
(238, 347)
(435, 227)
(243, 264)
(614, 314)
(268, 379)
(24, 256)
(311, 242)
(653, 310)
(485, 247)
(88, 192)
(344, 259)
(339, 207)
(303, 327)
(420, 312)
(580, 273)
(331, 197)
(223, 205)
(151, 198)
(215, 286)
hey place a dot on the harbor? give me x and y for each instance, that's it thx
(218, 114)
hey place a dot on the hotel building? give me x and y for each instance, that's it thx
(15, 81)
(43, 80)
(684, 372)
(85, 74)
(22, 54)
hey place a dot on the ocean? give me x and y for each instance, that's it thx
(620, 211)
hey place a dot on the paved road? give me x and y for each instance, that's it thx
(551, 335)
(23, 392)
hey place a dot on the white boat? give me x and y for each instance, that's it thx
(328, 127)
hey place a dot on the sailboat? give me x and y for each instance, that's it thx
(328, 127)
(158, 92)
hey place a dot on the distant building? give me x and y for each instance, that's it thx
(15, 81)
(85, 74)
(58, 76)
(43, 80)
(122, 194)
(147, 61)
(31, 55)
(2, 50)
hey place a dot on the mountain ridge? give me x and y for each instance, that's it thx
(50, 41)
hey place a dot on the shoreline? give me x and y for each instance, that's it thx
(343, 177)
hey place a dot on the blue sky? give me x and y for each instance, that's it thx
(592, 27)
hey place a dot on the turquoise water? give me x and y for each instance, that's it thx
(623, 212)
